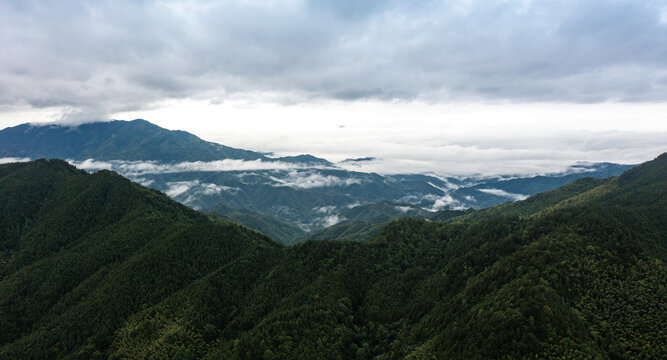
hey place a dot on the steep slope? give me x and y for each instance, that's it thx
(82, 252)
(113, 140)
(280, 231)
(586, 280)
(536, 203)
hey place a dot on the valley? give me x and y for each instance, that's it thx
(304, 193)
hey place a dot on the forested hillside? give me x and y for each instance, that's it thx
(278, 230)
(96, 266)
(364, 221)
(81, 252)
(536, 203)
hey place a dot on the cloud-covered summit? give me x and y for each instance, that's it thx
(94, 59)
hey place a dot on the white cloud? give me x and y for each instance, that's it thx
(92, 165)
(353, 205)
(308, 180)
(503, 193)
(213, 189)
(177, 188)
(144, 181)
(139, 168)
(6, 160)
(324, 209)
(438, 187)
(447, 202)
(330, 220)
(403, 209)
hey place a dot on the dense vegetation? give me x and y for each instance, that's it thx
(278, 230)
(536, 203)
(363, 222)
(96, 266)
(80, 253)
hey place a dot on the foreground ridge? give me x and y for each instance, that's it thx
(95, 266)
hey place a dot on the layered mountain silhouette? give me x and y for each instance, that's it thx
(113, 140)
(96, 266)
(303, 193)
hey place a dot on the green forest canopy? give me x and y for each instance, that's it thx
(95, 266)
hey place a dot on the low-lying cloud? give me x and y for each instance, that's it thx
(503, 193)
(286, 174)
(329, 220)
(7, 160)
(139, 168)
(177, 188)
(403, 209)
(195, 187)
(447, 202)
(308, 180)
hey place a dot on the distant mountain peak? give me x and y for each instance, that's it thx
(114, 140)
(356, 160)
(305, 159)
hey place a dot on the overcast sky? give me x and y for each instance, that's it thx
(447, 86)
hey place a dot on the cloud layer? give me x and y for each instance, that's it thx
(309, 180)
(139, 168)
(94, 59)
(503, 193)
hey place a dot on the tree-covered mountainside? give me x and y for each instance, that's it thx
(96, 266)
(278, 230)
(581, 281)
(363, 222)
(113, 140)
(536, 203)
(82, 252)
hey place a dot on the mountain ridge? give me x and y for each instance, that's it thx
(305, 192)
(113, 140)
(155, 278)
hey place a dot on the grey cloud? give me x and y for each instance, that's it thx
(111, 56)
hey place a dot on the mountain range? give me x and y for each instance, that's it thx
(303, 193)
(94, 266)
